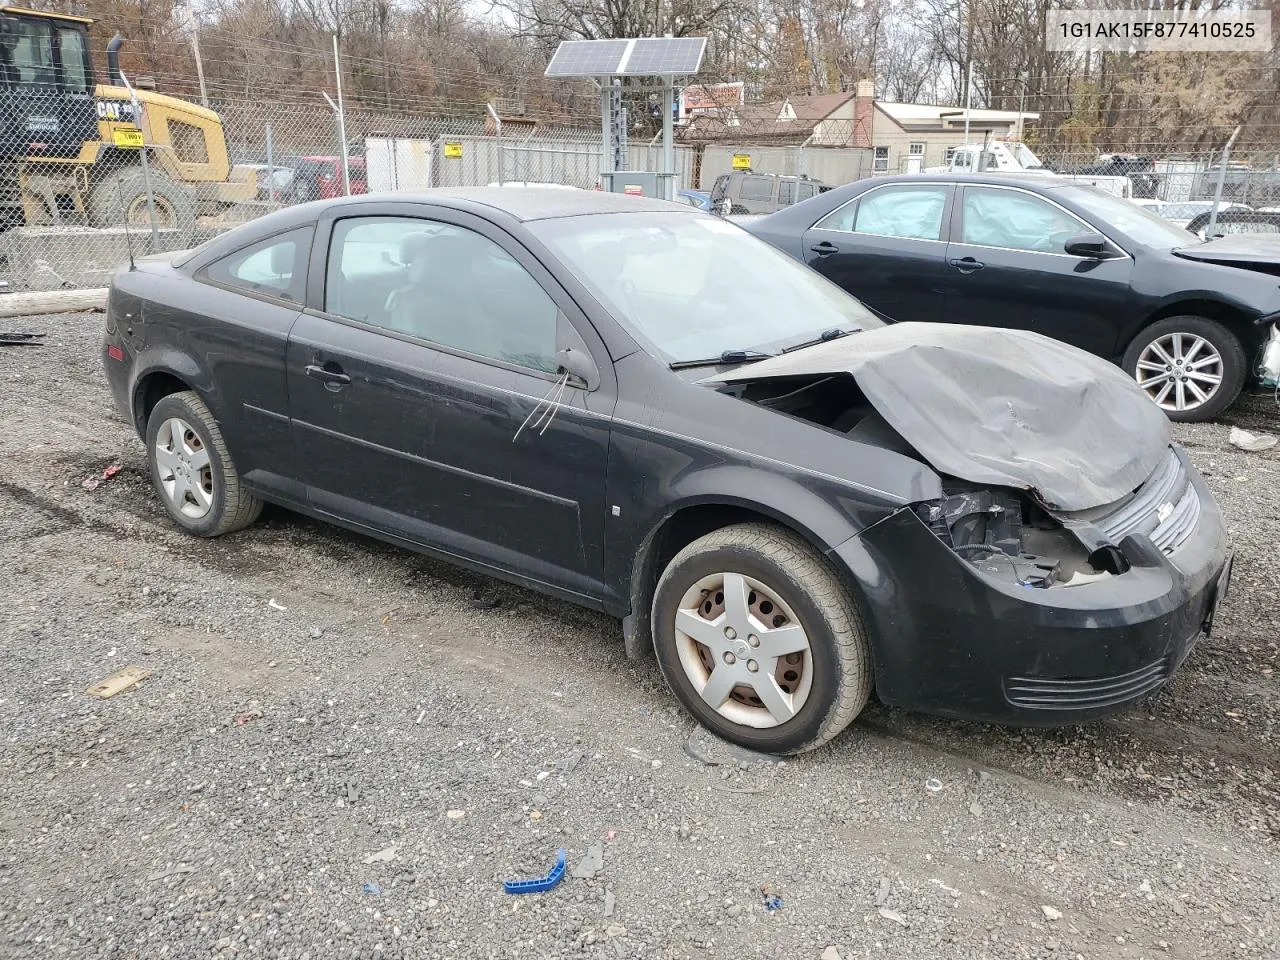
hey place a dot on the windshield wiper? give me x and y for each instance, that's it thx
(729, 356)
(835, 333)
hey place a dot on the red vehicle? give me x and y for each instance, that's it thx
(320, 178)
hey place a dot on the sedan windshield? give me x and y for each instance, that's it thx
(1133, 221)
(695, 287)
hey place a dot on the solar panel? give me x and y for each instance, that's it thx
(647, 56)
(664, 56)
(587, 58)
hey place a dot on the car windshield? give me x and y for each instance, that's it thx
(694, 286)
(1133, 221)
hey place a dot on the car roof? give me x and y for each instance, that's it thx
(1043, 181)
(531, 203)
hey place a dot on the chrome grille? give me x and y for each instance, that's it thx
(1165, 508)
(1049, 693)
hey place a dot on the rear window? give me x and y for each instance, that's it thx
(757, 188)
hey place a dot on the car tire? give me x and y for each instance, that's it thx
(191, 470)
(1197, 340)
(122, 195)
(785, 704)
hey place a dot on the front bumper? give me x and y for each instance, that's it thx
(951, 641)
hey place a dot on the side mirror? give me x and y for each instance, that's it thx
(1092, 246)
(580, 368)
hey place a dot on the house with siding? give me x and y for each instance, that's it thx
(901, 137)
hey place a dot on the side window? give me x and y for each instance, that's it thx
(757, 188)
(909, 211)
(804, 191)
(1016, 221)
(275, 267)
(26, 52)
(75, 77)
(443, 284)
(786, 192)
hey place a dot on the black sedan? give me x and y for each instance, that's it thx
(1048, 255)
(640, 408)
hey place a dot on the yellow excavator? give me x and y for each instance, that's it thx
(70, 148)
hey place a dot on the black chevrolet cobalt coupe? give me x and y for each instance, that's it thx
(643, 409)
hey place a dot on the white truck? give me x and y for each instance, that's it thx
(1013, 156)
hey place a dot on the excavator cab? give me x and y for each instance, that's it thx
(47, 107)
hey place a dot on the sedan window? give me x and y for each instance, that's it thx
(1015, 220)
(273, 267)
(441, 283)
(908, 211)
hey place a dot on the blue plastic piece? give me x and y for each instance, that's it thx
(542, 883)
(773, 903)
(372, 888)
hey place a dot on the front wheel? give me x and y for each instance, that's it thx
(760, 639)
(1192, 367)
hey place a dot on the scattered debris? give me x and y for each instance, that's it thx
(772, 901)
(169, 873)
(535, 814)
(1253, 442)
(554, 876)
(591, 864)
(276, 606)
(724, 788)
(92, 483)
(615, 930)
(933, 785)
(352, 793)
(975, 808)
(1050, 913)
(705, 747)
(372, 888)
(893, 915)
(608, 903)
(382, 856)
(8, 339)
(570, 763)
(455, 814)
(253, 713)
(118, 682)
(543, 774)
(610, 834)
(882, 895)
(831, 953)
(482, 598)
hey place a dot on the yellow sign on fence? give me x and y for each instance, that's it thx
(128, 139)
(742, 161)
(453, 151)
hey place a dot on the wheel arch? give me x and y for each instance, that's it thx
(685, 522)
(1238, 320)
(158, 382)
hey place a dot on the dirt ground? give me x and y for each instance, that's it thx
(337, 753)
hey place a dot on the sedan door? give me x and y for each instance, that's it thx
(888, 248)
(1009, 268)
(427, 403)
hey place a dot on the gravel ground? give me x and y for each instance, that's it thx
(338, 754)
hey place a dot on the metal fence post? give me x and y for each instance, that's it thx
(1222, 176)
(271, 172)
(342, 121)
(497, 123)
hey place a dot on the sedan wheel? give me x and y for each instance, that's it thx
(761, 639)
(1192, 367)
(192, 470)
(1180, 371)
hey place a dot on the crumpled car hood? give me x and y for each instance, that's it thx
(998, 407)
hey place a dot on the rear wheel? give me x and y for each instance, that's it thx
(1192, 367)
(760, 639)
(192, 470)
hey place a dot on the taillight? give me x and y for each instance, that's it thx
(115, 353)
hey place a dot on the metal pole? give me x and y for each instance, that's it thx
(342, 120)
(968, 101)
(271, 178)
(146, 169)
(1022, 103)
(497, 122)
(668, 148)
(195, 47)
(606, 144)
(1222, 176)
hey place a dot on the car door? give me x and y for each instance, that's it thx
(887, 247)
(1009, 268)
(240, 326)
(426, 400)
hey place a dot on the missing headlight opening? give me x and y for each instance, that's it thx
(1004, 534)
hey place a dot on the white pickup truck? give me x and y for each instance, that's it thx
(1012, 156)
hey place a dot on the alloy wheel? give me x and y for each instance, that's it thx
(1180, 371)
(182, 463)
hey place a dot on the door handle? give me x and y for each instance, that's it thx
(967, 264)
(825, 248)
(330, 375)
